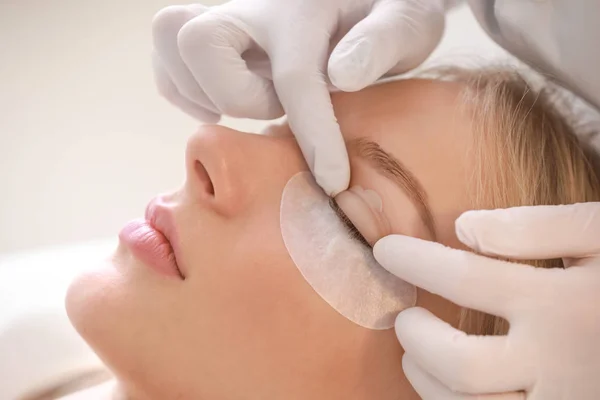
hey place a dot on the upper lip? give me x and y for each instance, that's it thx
(160, 216)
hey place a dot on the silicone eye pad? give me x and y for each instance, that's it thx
(338, 267)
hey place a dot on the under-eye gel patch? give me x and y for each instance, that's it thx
(339, 268)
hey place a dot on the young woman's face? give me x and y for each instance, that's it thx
(244, 324)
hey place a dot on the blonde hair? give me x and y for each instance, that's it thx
(526, 153)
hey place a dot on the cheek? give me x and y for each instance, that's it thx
(257, 306)
(255, 289)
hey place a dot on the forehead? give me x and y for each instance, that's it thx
(418, 103)
(397, 108)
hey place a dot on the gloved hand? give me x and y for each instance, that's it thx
(551, 351)
(259, 58)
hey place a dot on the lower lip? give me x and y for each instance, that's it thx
(150, 246)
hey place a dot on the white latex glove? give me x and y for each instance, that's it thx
(552, 350)
(259, 58)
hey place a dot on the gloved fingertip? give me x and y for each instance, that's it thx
(208, 117)
(408, 364)
(170, 18)
(408, 320)
(400, 323)
(465, 231)
(379, 248)
(331, 169)
(384, 247)
(332, 183)
(349, 65)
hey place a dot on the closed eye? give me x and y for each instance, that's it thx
(352, 231)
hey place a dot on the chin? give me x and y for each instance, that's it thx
(86, 300)
(99, 305)
(93, 297)
(92, 304)
(115, 307)
(103, 307)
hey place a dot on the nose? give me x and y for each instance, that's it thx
(226, 169)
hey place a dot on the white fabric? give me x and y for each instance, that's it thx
(38, 346)
(560, 38)
(551, 351)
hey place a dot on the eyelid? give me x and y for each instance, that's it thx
(370, 197)
(353, 230)
(364, 208)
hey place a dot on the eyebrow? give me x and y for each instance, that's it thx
(390, 167)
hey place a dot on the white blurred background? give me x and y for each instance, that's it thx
(85, 141)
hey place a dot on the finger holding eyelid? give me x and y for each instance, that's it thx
(364, 208)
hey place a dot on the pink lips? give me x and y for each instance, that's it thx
(149, 239)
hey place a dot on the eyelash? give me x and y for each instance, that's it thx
(352, 230)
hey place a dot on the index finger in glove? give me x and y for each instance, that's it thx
(165, 28)
(301, 85)
(169, 90)
(212, 45)
(467, 279)
(462, 363)
(535, 232)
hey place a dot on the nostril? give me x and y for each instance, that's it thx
(204, 178)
